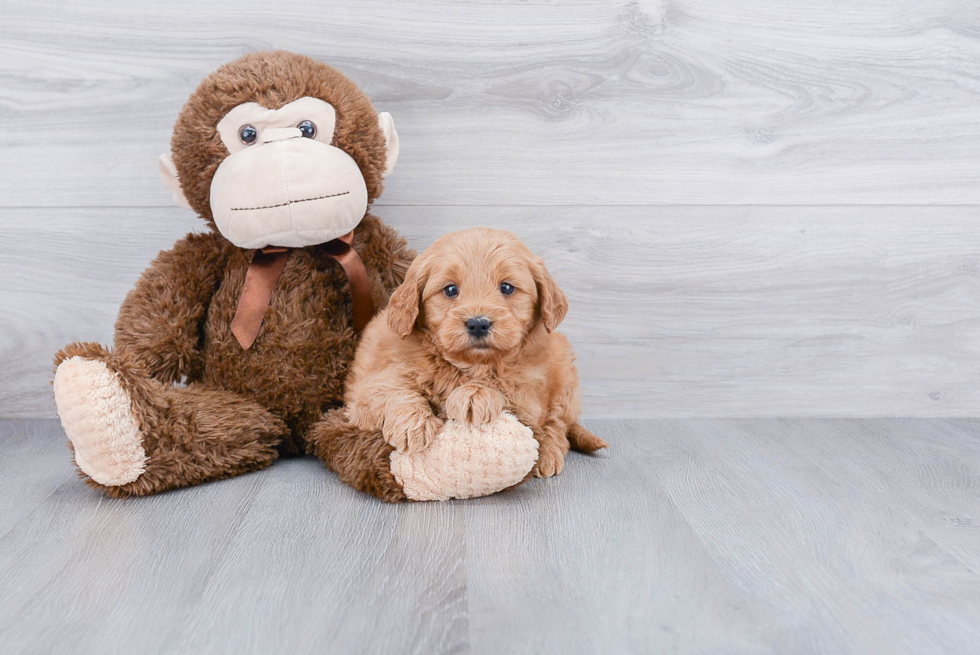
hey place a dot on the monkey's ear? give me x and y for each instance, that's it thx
(387, 124)
(168, 173)
(405, 302)
(551, 299)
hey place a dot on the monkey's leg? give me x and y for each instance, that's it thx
(360, 459)
(133, 435)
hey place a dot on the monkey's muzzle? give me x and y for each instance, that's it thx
(287, 191)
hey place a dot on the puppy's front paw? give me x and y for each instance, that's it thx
(474, 403)
(551, 461)
(410, 429)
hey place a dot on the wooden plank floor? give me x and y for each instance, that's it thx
(526, 102)
(674, 311)
(755, 208)
(712, 535)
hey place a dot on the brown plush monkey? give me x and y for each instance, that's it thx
(281, 156)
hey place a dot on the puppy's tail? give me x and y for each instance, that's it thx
(584, 441)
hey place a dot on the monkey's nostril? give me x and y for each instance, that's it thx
(478, 326)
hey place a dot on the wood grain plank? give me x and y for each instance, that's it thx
(330, 570)
(848, 566)
(89, 574)
(283, 559)
(676, 311)
(542, 102)
(600, 560)
(748, 536)
(929, 477)
(36, 461)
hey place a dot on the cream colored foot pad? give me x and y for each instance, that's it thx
(97, 416)
(468, 461)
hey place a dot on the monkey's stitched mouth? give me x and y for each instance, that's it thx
(290, 202)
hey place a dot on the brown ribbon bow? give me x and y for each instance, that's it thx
(263, 277)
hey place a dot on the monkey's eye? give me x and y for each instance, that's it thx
(506, 288)
(451, 291)
(248, 134)
(308, 128)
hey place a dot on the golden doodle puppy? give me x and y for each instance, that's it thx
(468, 335)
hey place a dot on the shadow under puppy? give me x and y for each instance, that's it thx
(467, 336)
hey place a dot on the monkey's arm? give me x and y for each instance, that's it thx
(385, 253)
(159, 323)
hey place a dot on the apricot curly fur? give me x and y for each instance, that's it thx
(417, 365)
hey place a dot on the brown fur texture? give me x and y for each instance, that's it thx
(241, 409)
(418, 365)
(271, 79)
(360, 459)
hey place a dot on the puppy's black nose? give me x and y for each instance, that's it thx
(478, 326)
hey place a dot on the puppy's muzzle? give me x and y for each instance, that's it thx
(478, 327)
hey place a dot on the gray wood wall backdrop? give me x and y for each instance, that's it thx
(756, 208)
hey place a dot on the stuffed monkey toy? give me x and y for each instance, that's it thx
(234, 343)
(281, 156)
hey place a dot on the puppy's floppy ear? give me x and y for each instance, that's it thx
(551, 300)
(403, 306)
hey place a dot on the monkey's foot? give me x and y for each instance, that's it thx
(466, 461)
(97, 415)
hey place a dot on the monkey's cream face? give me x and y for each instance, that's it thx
(284, 184)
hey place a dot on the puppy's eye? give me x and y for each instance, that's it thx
(506, 288)
(451, 291)
(308, 128)
(248, 134)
